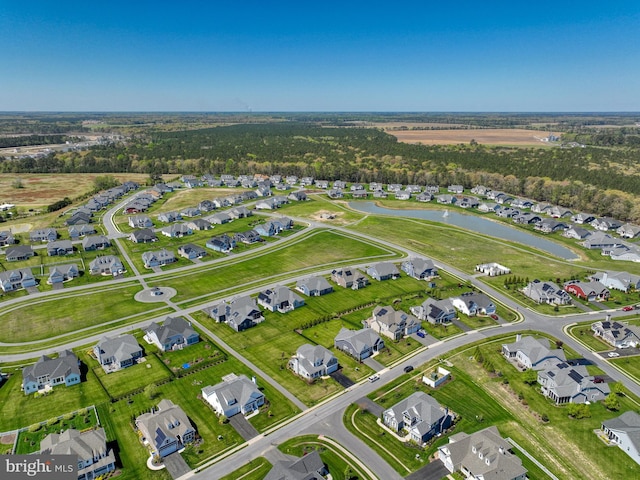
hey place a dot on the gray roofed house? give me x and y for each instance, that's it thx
(360, 344)
(190, 212)
(546, 292)
(248, 237)
(200, 224)
(535, 353)
(581, 218)
(240, 212)
(623, 281)
(349, 278)
(598, 240)
(484, 454)
(106, 265)
(628, 230)
(174, 334)
(221, 243)
(313, 361)
(59, 247)
(19, 252)
(140, 221)
(43, 235)
(116, 353)
(606, 223)
(446, 199)
(166, 429)
(191, 251)
(280, 299)
(435, 311)
(474, 303)
(48, 372)
(220, 218)
(158, 258)
(241, 313)
(145, 235)
(550, 225)
(6, 238)
(235, 394)
(419, 268)
(624, 431)
(78, 218)
(169, 217)
(564, 383)
(309, 467)
(15, 279)
(62, 273)
(391, 323)
(577, 233)
(616, 334)
(314, 286)
(96, 242)
(420, 415)
(176, 230)
(95, 459)
(77, 231)
(383, 271)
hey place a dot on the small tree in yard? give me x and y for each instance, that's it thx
(578, 410)
(530, 377)
(612, 402)
(151, 391)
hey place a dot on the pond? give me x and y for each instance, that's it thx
(474, 223)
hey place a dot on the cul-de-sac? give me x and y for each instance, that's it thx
(321, 297)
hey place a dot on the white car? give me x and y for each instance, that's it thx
(373, 378)
(613, 354)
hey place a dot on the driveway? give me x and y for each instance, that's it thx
(433, 471)
(243, 427)
(176, 466)
(367, 404)
(32, 290)
(342, 379)
(461, 326)
(426, 340)
(373, 363)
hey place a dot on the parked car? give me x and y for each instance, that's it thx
(628, 308)
(408, 368)
(421, 334)
(373, 378)
(613, 354)
(598, 380)
(494, 316)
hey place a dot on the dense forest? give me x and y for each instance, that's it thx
(605, 181)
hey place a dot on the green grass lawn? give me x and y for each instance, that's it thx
(67, 313)
(129, 379)
(254, 470)
(584, 333)
(630, 365)
(29, 440)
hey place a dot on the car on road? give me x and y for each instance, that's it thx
(628, 308)
(613, 354)
(373, 378)
(408, 368)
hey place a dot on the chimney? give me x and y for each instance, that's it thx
(253, 379)
(518, 337)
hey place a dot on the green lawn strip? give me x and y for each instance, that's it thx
(584, 334)
(441, 331)
(29, 440)
(256, 469)
(333, 458)
(630, 365)
(128, 379)
(327, 248)
(475, 322)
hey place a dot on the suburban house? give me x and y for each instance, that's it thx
(158, 258)
(166, 429)
(473, 303)
(383, 271)
(435, 311)
(419, 268)
(391, 323)
(482, 455)
(59, 248)
(581, 218)
(145, 235)
(360, 344)
(606, 223)
(240, 212)
(235, 394)
(97, 242)
(457, 189)
(221, 243)
(486, 207)
(78, 231)
(624, 431)
(106, 265)
(424, 197)
(309, 467)
(176, 230)
(169, 217)
(48, 372)
(313, 361)
(118, 352)
(446, 199)
(199, 224)
(220, 218)
(349, 278)
(564, 383)
(241, 313)
(19, 252)
(591, 291)
(78, 218)
(577, 233)
(191, 251)
(95, 459)
(6, 238)
(546, 292)
(314, 286)
(11, 280)
(617, 334)
(535, 353)
(174, 334)
(622, 281)
(43, 235)
(62, 273)
(550, 225)
(248, 237)
(600, 240)
(280, 299)
(628, 230)
(190, 212)
(206, 206)
(420, 415)
(140, 221)
(559, 212)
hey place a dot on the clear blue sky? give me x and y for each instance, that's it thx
(425, 55)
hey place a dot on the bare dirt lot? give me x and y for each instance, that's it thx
(489, 136)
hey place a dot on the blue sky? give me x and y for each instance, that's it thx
(319, 56)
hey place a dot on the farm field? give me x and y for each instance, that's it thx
(484, 136)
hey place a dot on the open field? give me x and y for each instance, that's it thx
(484, 136)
